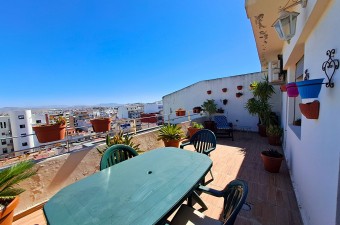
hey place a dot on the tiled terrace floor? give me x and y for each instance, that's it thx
(271, 197)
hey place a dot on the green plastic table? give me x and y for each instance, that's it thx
(143, 190)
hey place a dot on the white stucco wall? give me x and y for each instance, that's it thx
(194, 95)
(313, 158)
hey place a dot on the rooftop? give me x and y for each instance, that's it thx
(271, 198)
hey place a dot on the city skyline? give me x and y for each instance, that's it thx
(77, 53)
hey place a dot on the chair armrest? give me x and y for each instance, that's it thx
(184, 144)
(210, 191)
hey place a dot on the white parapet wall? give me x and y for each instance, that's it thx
(195, 94)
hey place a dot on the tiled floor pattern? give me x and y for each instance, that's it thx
(271, 199)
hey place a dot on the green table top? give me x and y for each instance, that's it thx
(141, 190)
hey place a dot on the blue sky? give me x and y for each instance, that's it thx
(104, 51)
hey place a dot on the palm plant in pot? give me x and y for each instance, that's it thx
(259, 105)
(119, 138)
(272, 160)
(9, 178)
(194, 128)
(171, 134)
(210, 107)
(274, 133)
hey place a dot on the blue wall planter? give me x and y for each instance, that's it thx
(309, 88)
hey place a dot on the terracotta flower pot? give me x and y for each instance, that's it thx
(239, 94)
(48, 133)
(6, 215)
(292, 90)
(192, 131)
(262, 130)
(283, 88)
(274, 140)
(224, 89)
(101, 124)
(209, 92)
(271, 164)
(172, 143)
(310, 110)
(196, 109)
(180, 112)
(239, 87)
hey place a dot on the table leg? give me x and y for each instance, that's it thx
(198, 200)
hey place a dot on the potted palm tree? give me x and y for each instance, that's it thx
(9, 178)
(210, 107)
(171, 134)
(194, 128)
(259, 104)
(51, 132)
(119, 138)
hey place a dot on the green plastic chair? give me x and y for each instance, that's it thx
(234, 194)
(116, 154)
(204, 141)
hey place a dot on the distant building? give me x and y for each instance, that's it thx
(21, 129)
(6, 143)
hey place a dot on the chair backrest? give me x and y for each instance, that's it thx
(203, 140)
(235, 195)
(116, 154)
(221, 122)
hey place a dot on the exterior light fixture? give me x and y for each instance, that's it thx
(285, 25)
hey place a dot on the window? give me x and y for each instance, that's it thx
(3, 133)
(38, 121)
(21, 117)
(3, 141)
(12, 150)
(22, 126)
(4, 150)
(24, 144)
(23, 134)
(4, 124)
(1, 125)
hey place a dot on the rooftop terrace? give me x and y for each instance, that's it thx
(271, 199)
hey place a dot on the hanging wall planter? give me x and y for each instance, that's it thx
(239, 87)
(180, 112)
(209, 92)
(310, 110)
(309, 88)
(225, 101)
(283, 88)
(238, 94)
(292, 90)
(197, 109)
(224, 89)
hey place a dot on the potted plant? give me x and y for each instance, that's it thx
(119, 138)
(274, 133)
(194, 128)
(180, 112)
(272, 160)
(101, 124)
(9, 178)
(51, 132)
(210, 107)
(239, 94)
(197, 109)
(171, 134)
(259, 104)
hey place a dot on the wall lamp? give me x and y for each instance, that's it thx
(285, 25)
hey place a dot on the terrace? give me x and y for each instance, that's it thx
(271, 198)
